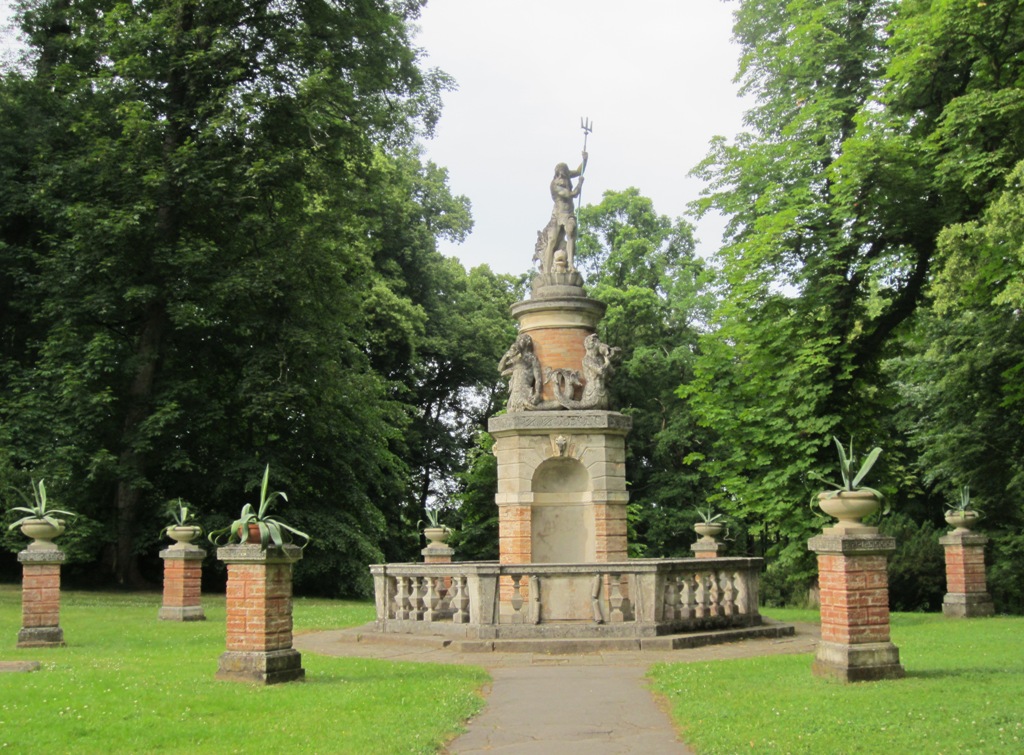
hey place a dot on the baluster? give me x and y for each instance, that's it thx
(687, 596)
(460, 600)
(416, 599)
(402, 598)
(670, 605)
(715, 594)
(701, 596)
(615, 582)
(430, 612)
(517, 599)
(728, 594)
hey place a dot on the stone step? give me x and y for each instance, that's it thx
(572, 646)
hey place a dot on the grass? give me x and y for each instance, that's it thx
(962, 693)
(127, 682)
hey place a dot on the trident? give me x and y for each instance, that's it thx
(588, 128)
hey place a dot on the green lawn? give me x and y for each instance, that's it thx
(128, 682)
(962, 693)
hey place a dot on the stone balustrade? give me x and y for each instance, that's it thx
(642, 598)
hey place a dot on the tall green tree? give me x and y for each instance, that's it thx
(191, 249)
(876, 124)
(644, 267)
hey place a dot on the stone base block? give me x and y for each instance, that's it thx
(707, 549)
(867, 662)
(41, 637)
(182, 613)
(272, 667)
(968, 605)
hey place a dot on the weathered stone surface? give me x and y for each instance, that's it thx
(181, 613)
(967, 606)
(707, 549)
(857, 663)
(556, 242)
(41, 637)
(853, 544)
(272, 667)
(19, 667)
(41, 557)
(545, 422)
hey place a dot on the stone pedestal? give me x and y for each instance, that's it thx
(707, 548)
(854, 585)
(561, 486)
(437, 553)
(967, 593)
(183, 578)
(40, 598)
(259, 615)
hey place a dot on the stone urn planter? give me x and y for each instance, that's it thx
(849, 507)
(42, 533)
(436, 535)
(182, 535)
(962, 521)
(709, 531)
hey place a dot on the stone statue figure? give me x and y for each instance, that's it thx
(556, 244)
(522, 368)
(598, 366)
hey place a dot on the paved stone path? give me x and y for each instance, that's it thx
(598, 703)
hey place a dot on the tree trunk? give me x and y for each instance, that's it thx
(132, 462)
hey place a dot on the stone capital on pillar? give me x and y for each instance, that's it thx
(40, 598)
(854, 585)
(259, 615)
(966, 589)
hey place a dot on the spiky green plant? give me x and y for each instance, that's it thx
(36, 507)
(272, 530)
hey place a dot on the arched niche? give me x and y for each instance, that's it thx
(562, 521)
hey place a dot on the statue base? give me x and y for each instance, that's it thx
(557, 285)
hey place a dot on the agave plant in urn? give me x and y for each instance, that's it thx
(851, 501)
(41, 523)
(962, 515)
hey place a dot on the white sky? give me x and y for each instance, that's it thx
(653, 76)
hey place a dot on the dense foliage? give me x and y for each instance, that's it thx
(217, 250)
(869, 282)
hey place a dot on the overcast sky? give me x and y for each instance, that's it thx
(653, 76)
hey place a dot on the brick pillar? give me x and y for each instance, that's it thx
(259, 615)
(514, 542)
(854, 585)
(610, 531)
(40, 598)
(183, 578)
(967, 594)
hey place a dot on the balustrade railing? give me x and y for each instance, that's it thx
(631, 598)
